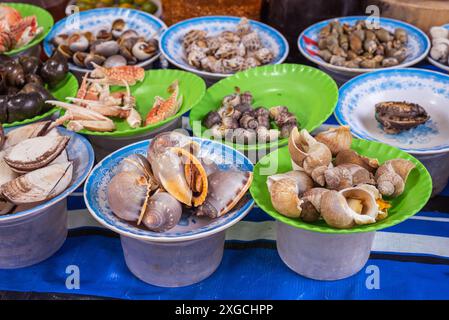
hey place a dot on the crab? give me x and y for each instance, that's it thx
(93, 106)
(165, 108)
(115, 76)
(16, 31)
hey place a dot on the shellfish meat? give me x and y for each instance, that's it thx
(397, 116)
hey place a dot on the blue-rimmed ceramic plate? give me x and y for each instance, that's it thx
(189, 227)
(417, 48)
(427, 88)
(436, 63)
(81, 153)
(96, 19)
(171, 40)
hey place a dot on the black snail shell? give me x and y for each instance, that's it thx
(24, 106)
(29, 64)
(15, 76)
(3, 109)
(39, 89)
(54, 70)
(2, 82)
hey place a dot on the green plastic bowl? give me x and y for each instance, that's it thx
(156, 83)
(66, 88)
(44, 20)
(416, 194)
(307, 92)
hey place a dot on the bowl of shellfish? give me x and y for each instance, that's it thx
(405, 108)
(219, 46)
(349, 46)
(40, 166)
(171, 199)
(24, 26)
(106, 37)
(329, 194)
(26, 84)
(439, 53)
(255, 110)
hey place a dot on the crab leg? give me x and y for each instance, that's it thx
(101, 126)
(106, 110)
(79, 112)
(134, 119)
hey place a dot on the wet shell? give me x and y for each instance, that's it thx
(311, 206)
(336, 139)
(29, 131)
(127, 193)
(307, 153)
(162, 213)
(39, 185)
(348, 207)
(351, 156)
(392, 176)
(226, 188)
(35, 152)
(6, 174)
(285, 190)
(346, 176)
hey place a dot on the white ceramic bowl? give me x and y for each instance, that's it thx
(97, 19)
(171, 40)
(418, 44)
(436, 63)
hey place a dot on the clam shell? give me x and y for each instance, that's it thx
(6, 174)
(35, 152)
(29, 131)
(39, 185)
(226, 188)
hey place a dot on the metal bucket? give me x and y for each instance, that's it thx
(174, 264)
(323, 256)
(33, 238)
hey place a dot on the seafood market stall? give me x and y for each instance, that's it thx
(154, 153)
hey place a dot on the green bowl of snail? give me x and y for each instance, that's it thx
(416, 194)
(310, 94)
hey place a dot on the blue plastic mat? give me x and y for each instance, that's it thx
(408, 261)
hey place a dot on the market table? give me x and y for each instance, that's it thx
(410, 261)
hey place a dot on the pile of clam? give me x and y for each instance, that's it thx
(330, 181)
(361, 47)
(440, 44)
(238, 121)
(23, 85)
(34, 166)
(173, 178)
(227, 52)
(114, 46)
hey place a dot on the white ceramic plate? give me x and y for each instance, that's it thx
(171, 40)
(418, 44)
(427, 88)
(436, 63)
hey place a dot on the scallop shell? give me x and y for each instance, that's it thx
(336, 139)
